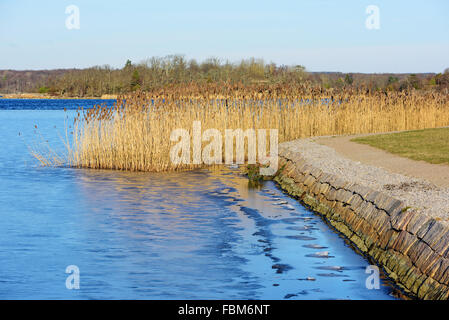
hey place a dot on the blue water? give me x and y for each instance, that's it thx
(194, 235)
(51, 104)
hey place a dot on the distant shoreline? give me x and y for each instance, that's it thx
(44, 96)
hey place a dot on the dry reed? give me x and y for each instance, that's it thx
(135, 134)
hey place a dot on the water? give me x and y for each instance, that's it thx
(193, 235)
(51, 104)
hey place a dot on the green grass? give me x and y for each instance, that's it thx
(430, 145)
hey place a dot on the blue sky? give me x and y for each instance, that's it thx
(322, 35)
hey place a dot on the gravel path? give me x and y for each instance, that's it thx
(414, 192)
(437, 174)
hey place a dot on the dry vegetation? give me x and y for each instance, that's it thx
(135, 134)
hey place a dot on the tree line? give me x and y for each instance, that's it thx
(158, 72)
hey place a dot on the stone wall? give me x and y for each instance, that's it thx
(412, 248)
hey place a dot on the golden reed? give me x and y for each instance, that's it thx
(135, 134)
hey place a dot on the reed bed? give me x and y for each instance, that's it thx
(135, 134)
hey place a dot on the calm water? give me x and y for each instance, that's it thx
(194, 235)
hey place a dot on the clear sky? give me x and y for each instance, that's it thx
(322, 35)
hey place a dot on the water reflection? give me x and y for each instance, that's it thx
(205, 234)
(168, 224)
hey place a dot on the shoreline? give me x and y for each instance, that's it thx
(38, 96)
(410, 244)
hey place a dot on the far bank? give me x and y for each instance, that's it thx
(46, 96)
